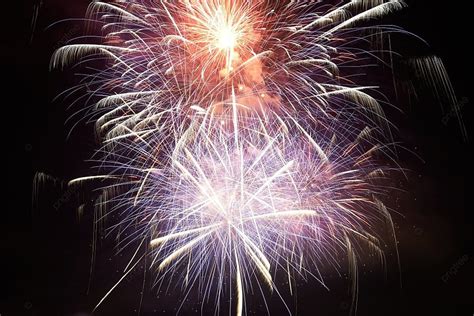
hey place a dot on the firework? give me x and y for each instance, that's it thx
(168, 63)
(224, 209)
(237, 138)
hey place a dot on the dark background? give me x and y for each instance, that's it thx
(46, 248)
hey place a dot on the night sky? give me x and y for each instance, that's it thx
(46, 248)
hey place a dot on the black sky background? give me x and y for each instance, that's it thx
(46, 249)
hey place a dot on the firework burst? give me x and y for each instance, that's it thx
(169, 63)
(238, 129)
(275, 204)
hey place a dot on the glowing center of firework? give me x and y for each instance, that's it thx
(226, 38)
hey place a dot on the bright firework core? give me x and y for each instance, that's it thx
(226, 35)
(227, 38)
(227, 41)
(223, 30)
